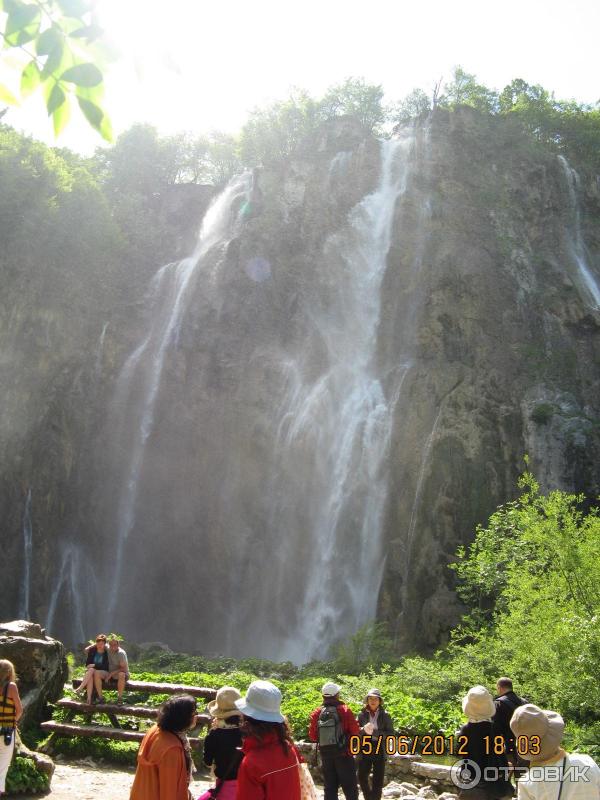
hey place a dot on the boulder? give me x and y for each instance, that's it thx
(40, 663)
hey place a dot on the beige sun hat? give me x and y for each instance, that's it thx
(478, 704)
(529, 721)
(223, 706)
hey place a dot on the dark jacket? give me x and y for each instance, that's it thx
(385, 727)
(480, 749)
(221, 749)
(347, 719)
(91, 657)
(505, 708)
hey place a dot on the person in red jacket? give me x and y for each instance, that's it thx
(332, 736)
(270, 769)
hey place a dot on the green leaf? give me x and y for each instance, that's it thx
(89, 32)
(22, 25)
(61, 116)
(74, 8)
(96, 117)
(57, 97)
(30, 78)
(91, 112)
(83, 75)
(49, 41)
(7, 97)
(106, 130)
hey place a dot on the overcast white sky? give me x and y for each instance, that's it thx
(198, 65)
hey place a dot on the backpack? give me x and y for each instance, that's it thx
(329, 727)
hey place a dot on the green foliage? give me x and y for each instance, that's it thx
(114, 752)
(463, 90)
(356, 98)
(532, 580)
(543, 413)
(371, 646)
(58, 44)
(24, 777)
(410, 107)
(273, 134)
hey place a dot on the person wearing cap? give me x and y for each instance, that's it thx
(339, 768)
(375, 722)
(481, 759)
(223, 743)
(270, 768)
(552, 772)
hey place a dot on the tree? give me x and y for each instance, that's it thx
(356, 98)
(464, 90)
(410, 107)
(532, 580)
(58, 51)
(272, 134)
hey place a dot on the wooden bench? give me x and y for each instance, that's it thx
(114, 710)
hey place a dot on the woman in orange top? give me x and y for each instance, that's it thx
(10, 711)
(164, 762)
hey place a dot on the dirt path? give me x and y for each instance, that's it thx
(87, 780)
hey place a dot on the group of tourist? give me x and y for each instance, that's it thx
(253, 756)
(251, 751)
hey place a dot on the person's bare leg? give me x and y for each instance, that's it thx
(120, 685)
(98, 684)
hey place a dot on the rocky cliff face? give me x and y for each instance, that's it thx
(295, 430)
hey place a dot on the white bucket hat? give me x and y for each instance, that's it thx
(529, 721)
(223, 706)
(330, 689)
(262, 702)
(478, 704)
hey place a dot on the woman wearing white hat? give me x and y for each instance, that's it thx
(484, 775)
(553, 773)
(270, 767)
(223, 743)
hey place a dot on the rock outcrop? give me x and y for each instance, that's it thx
(40, 663)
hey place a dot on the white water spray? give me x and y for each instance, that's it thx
(577, 246)
(171, 288)
(25, 589)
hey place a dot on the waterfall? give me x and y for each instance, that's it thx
(100, 352)
(171, 289)
(577, 246)
(75, 578)
(327, 568)
(25, 589)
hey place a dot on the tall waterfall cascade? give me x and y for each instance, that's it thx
(319, 531)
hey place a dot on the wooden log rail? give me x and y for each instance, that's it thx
(159, 688)
(126, 711)
(103, 731)
(114, 710)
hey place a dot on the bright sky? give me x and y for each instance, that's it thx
(201, 65)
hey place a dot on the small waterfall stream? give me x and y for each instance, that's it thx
(577, 246)
(25, 589)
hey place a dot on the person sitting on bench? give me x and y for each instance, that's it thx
(118, 666)
(97, 667)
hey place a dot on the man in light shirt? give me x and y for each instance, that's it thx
(118, 666)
